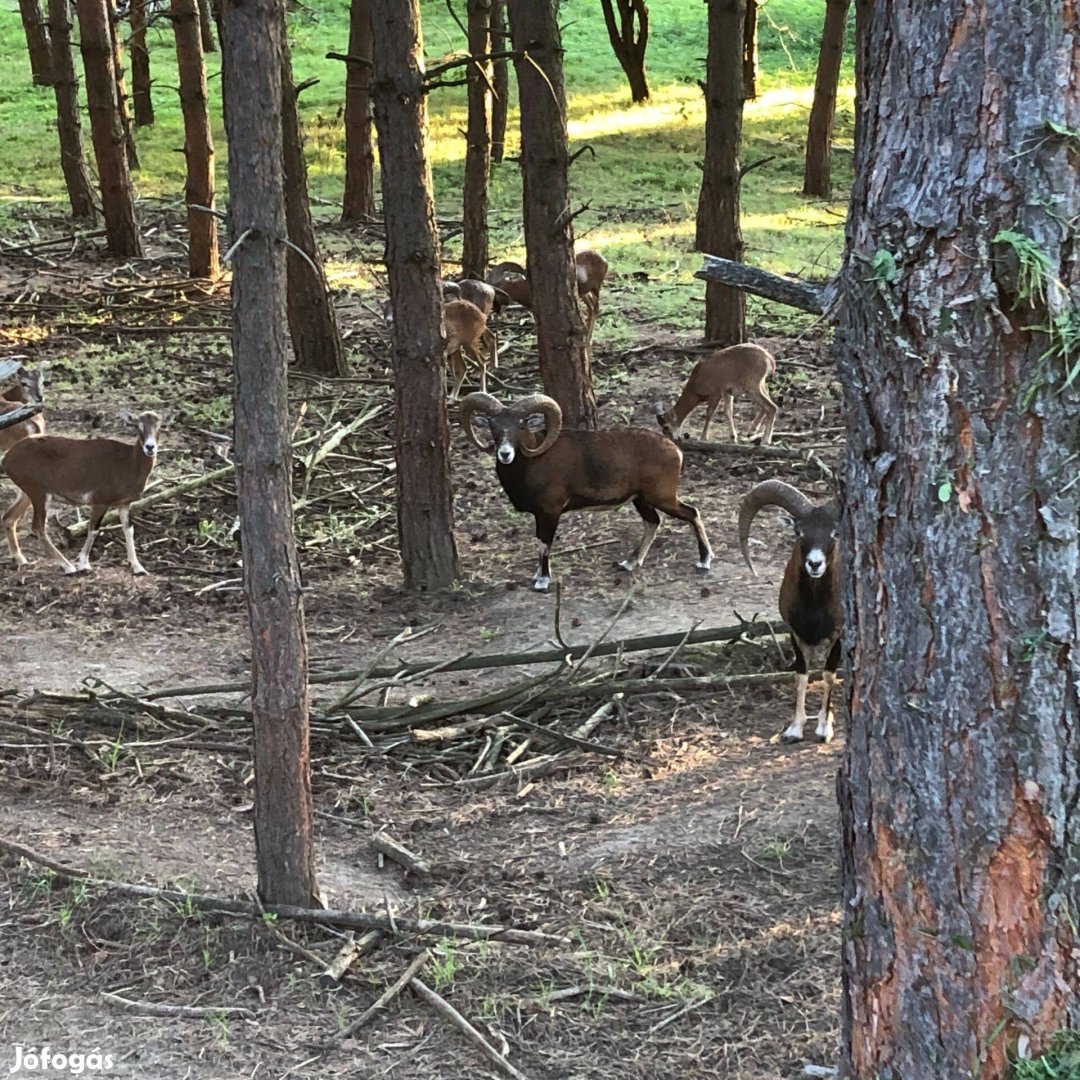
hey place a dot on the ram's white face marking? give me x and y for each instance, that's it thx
(504, 450)
(815, 563)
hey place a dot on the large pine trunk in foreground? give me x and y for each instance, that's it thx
(198, 142)
(77, 179)
(817, 177)
(565, 365)
(359, 201)
(252, 41)
(313, 326)
(422, 443)
(961, 783)
(718, 228)
(106, 128)
(474, 258)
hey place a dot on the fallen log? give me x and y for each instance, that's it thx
(804, 295)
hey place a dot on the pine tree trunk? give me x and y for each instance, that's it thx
(198, 142)
(252, 63)
(37, 42)
(500, 81)
(359, 200)
(313, 327)
(961, 782)
(106, 129)
(206, 27)
(629, 48)
(121, 85)
(817, 179)
(474, 259)
(565, 365)
(80, 187)
(422, 439)
(750, 51)
(718, 228)
(140, 66)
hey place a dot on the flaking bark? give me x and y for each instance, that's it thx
(474, 259)
(77, 179)
(817, 177)
(358, 203)
(961, 782)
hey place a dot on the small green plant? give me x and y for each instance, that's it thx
(444, 964)
(1033, 267)
(775, 850)
(610, 780)
(489, 634)
(220, 1026)
(601, 888)
(883, 268)
(42, 884)
(1060, 1062)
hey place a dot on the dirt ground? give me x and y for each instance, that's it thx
(692, 879)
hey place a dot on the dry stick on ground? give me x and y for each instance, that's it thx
(396, 924)
(349, 953)
(400, 854)
(470, 662)
(463, 1025)
(387, 995)
(189, 1012)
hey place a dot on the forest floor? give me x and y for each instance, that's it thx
(691, 873)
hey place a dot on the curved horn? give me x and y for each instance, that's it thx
(540, 403)
(768, 493)
(472, 404)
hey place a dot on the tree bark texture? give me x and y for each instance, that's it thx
(121, 86)
(474, 259)
(106, 128)
(140, 65)
(359, 201)
(313, 326)
(960, 790)
(206, 27)
(500, 81)
(80, 187)
(629, 42)
(251, 47)
(750, 51)
(718, 228)
(565, 365)
(817, 177)
(198, 142)
(422, 443)
(37, 42)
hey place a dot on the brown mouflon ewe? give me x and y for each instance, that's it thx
(99, 473)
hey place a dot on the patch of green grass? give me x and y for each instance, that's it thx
(1060, 1062)
(642, 185)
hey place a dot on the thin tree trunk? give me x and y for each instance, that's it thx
(80, 187)
(359, 201)
(206, 27)
(313, 327)
(198, 142)
(750, 51)
(251, 81)
(718, 228)
(628, 46)
(106, 129)
(565, 365)
(817, 178)
(140, 66)
(37, 42)
(961, 781)
(500, 81)
(422, 440)
(121, 86)
(474, 259)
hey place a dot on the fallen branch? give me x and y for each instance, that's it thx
(396, 924)
(400, 854)
(383, 999)
(188, 1012)
(17, 416)
(817, 299)
(444, 1007)
(349, 953)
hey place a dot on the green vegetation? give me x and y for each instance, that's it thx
(1060, 1062)
(641, 186)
